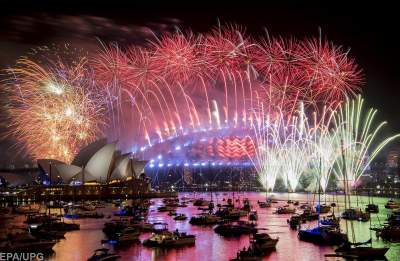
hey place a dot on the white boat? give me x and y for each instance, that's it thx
(170, 239)
(127, 235)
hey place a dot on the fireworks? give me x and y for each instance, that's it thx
(357, 138)
(218, 78)
(283, 149)
(183, 83)
(342, 141)
(52, 110)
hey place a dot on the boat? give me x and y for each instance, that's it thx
(160, 227)
(172, 204)
(246, 205)
(295, 221)
(248, 254)
(169, 239)
(322, 235)
(126, 235)
(322, 209)
(82, 213)
(264, 204)
(356, 250)
(230, 213)
(200, 202)
(102, 254)
(229, 202)
(263, 243)
(238, 229)
(130, 211)
(355, 214)
(40, 218)
(114, 226)
(141, 226)
(98, 204)
(88, 206)
(391, 204)
(205, 219)
(389, 233)
(330, 220)
(211, 205)
(47, 235)
(372, 208)
(165, 209)
(260, 245)
(180, 217)
(285, 210)
(26, 243)
(394, 218)
(58, 226)
(305, 206)
(309, 215)
(168, 200)
(253, 216)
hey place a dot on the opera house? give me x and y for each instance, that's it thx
(98, 171)
(99, 162)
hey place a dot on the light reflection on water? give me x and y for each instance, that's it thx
(79, 245)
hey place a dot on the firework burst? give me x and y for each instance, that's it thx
(53, 110)
(357, 140)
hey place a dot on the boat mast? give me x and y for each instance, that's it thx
(319, 191)
(344, 181)
(266, 190)
(345, 192)
(287, 184)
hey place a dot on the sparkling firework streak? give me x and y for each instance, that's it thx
(283, 148)
(356, 136)
(296, 149)
(288, 149)
(268, 152)
(52, 109)
(324, 147)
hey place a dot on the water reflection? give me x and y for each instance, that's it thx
(79, 245)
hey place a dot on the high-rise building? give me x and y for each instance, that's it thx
(392, 160)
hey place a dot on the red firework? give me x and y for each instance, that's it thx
(278, 56)
(228, 48)
(283, 92)
(233, 73)
(141, 69)
(176, 57)
(330, 72)
(109, 65)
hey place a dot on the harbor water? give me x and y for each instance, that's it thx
(79, 245)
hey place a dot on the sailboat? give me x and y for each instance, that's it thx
(322, 235)
(267, 202)
(371, 207)
(358, 250)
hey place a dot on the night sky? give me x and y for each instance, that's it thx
(371, 31)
